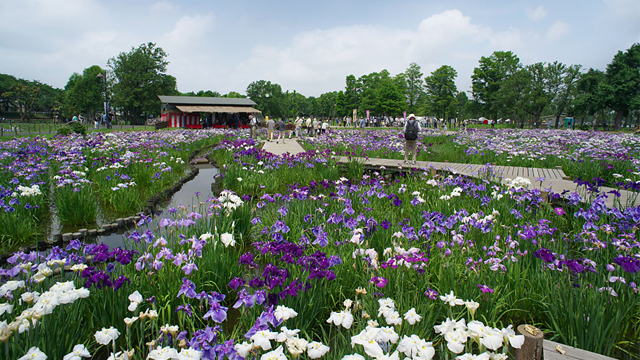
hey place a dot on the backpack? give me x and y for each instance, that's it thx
(412, 131)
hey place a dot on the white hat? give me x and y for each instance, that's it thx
(411, 116)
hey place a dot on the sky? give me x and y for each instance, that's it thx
(305, 45)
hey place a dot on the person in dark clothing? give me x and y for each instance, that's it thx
(281, 129)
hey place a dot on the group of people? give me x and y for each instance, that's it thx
(411, 131)
(312, 127)
(104, 119)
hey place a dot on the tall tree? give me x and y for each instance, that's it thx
(268, 96)
(590, 98)
(542, 86)
(23, 95)
(84, 93)
(567, 91)
(140, 76)
(510, 96)
(414, 86)
(391, 98)
(623, 82)
(442, 91)
(490, 75)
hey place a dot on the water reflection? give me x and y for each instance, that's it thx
(186, 196)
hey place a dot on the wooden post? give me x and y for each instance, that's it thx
(532, 347)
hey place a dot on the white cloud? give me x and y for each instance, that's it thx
(557, 30)
(536, 14)
(315, 61)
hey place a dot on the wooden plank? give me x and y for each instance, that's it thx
(571, 353)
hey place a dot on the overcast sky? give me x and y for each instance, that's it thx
(309, 46)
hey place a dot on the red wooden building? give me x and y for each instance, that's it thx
(196, 112)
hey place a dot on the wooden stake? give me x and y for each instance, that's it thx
(532, 347)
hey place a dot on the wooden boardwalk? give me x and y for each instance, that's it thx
(545, 179)
(570, 353)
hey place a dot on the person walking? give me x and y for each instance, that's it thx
(362, 125)
(298, 127)
(325, 127)
(309, 128)
(281, 127)
(411, 131)
(270, 127)
(252, 123)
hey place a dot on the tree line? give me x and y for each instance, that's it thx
(502, 87)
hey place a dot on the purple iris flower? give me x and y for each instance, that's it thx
(379, 281)
(186, 308)
(628, 264)
(236, 283)
(120, 282)
(431, 294)
(283, 211)
(74, 245)
(216, 312)
(189, 268)
(545, 254)
(485, 289)
(187, 289)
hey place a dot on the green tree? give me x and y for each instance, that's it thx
(269, 97)
(233, 94)
(390, 98)
(442, 91)
(462, 101)
(567, 91)
(622, 84)
(543, 82)
(414, 86)
(140, 76)
(352, 89)
(590, 98)
(23, 95)
(510, 96)
(490, 75)
(84, 93)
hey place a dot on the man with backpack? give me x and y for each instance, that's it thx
(411, 130)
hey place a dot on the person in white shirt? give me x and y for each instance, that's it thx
(298, 127)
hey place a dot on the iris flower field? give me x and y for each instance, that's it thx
(300, 257)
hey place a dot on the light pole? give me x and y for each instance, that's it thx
(106, 101)
(267, 96)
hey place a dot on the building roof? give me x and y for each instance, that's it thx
(200, 100)
(220, 109)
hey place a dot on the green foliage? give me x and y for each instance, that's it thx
(414, 86)
(139, 78)
(22, 95)
(489, 76)
(622, 86)
(84, 93)
(442, 91)
(77, 128)
(269, 98)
